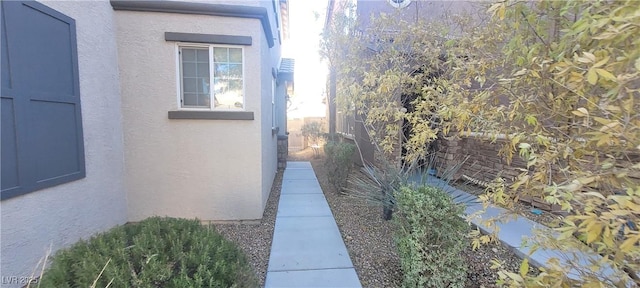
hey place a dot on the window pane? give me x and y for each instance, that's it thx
(203, 70)
(229, 95)
(220, 55)
(188, 54)
(219, 85)
(228, 82)
(195, 77)
(203, 85)
(221, 70)
(188, 70)
(235, 86)
(235, 71)
(203, 55)
(203, 100)
(190, 99)
(189, 85)
(235, 55)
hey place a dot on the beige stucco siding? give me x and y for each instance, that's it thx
(209, 169)
(61, 215)
(269, 146)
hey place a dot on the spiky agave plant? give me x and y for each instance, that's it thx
(378, 183)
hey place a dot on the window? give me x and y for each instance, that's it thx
(200, 66)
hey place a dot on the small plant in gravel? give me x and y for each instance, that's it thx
(338, 162)
(157, 252)
(313, 131)
(431, 237)
(379, 183)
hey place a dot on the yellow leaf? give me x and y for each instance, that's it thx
(595, 194)
(495, 264)
(628, 244)
(592, 77)
(607, 237)
(524, 267)
(602, 121)
(581, 112)
(593, 231)
(514, 277)
(606, 74)
(520, 73)
(502, 10)
(602, 62)
(607, 165)
(587, 180)
(493, 8)
(609, 126)
(583, 60)
(589, 56)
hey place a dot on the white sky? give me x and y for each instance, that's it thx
(303, 45)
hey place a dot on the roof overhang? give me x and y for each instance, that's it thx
(239, 11)
(285, 72)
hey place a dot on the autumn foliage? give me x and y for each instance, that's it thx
(560, 80)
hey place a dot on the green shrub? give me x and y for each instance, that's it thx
(430, 238)
(157, 252)
(313, 131)
(338, 162)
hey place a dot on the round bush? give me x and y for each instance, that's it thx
(157, 252)
(430, 238)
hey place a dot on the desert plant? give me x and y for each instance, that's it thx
(378, 183)
(431, 237)
(157, 252)
(313, 131)
(338, 162)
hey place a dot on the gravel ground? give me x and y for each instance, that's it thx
(254, 238)
(369, 240)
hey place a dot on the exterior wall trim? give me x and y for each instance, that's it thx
(212, 115)
(238, 11)
(208, 38)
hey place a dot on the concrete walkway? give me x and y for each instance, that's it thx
(308, 251)
(307, 248)
(512, 232)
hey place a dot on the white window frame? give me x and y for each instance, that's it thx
(179, 77)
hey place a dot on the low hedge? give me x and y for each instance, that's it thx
(157, 252)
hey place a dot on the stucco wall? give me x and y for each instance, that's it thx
(269, 140)
(209, 169)
(61, 215)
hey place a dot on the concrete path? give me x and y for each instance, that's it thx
(307, 248)
(512, 232)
